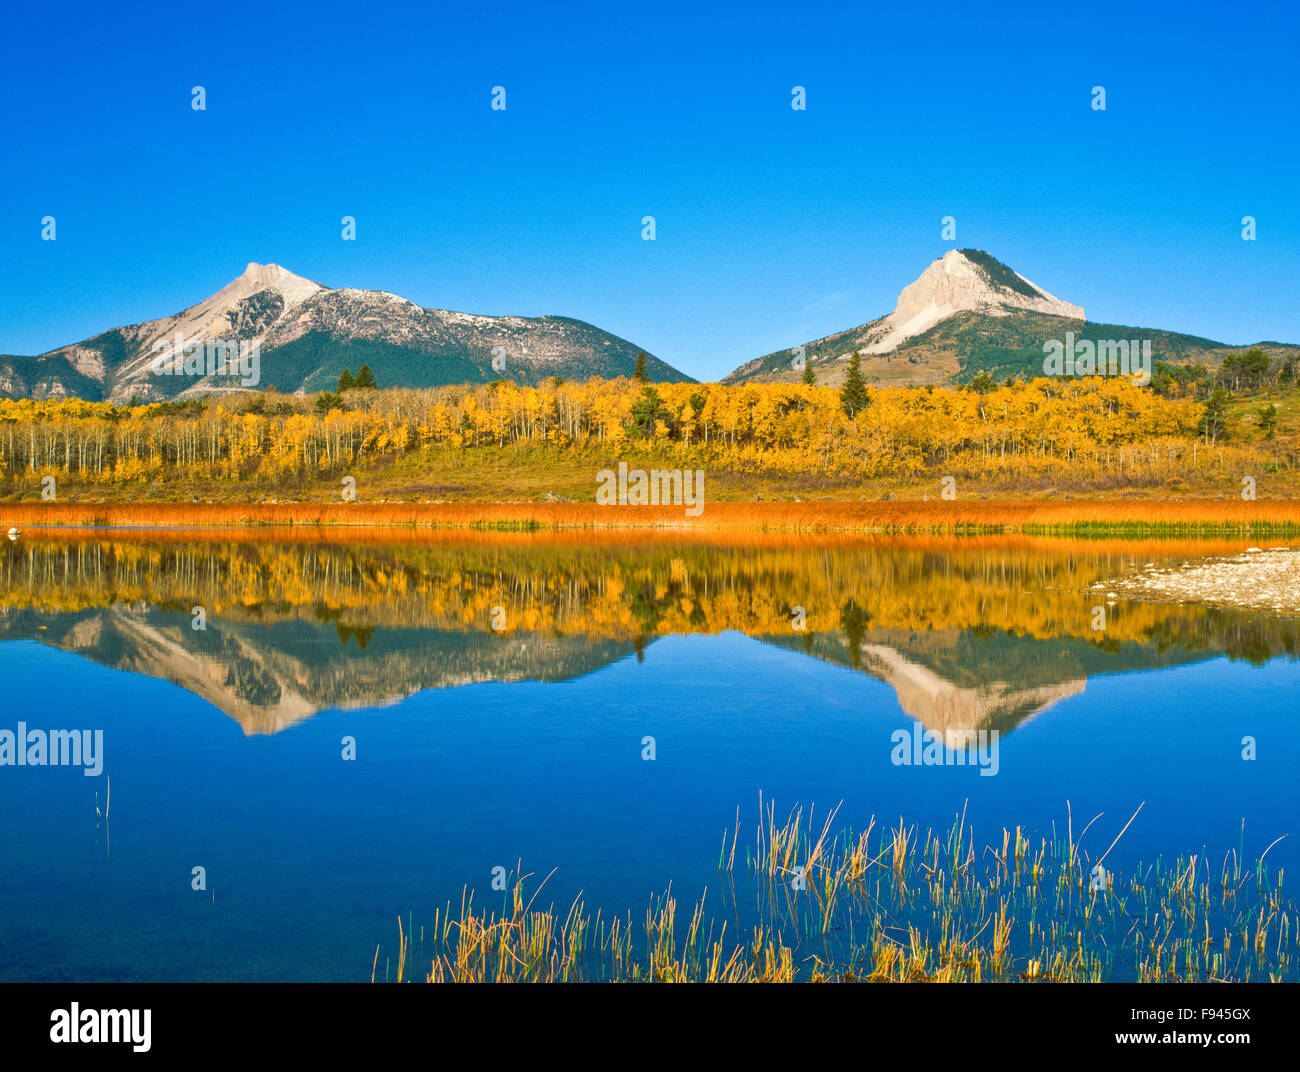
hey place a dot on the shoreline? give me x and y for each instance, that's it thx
(1184, 517)
(1258, 579)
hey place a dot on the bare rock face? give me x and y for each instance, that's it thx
(964, 279)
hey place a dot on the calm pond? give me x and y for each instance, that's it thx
(341, 731)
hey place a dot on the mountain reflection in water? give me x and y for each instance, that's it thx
(972, 633)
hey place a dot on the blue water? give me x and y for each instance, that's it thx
(310, 859)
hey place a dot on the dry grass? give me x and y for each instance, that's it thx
(899, 906)
(1118, 517)
(523, 944)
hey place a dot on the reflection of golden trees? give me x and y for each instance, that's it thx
(627, 589)
(1043, 427)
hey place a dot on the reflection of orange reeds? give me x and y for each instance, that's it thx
(740, 539)
(1138, 517)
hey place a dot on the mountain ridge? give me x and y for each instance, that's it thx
(270, 675)
(307, 333)
(967, 314)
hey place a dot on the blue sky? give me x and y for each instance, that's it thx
(773, 226)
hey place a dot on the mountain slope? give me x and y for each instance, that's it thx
(308, 334)
(270, 676)
(967, 314)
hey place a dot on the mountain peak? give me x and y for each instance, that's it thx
(307, 335)
(957, 284)
(960, 280)
(272, 275)
(258, 277)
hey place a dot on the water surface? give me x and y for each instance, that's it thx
(500, 689)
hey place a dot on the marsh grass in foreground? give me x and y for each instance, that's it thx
(889, 905)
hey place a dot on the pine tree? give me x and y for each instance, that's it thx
(809, 377)
(366, 378)
(1268, 420)
(639, 373)
(854, 621)
(346, 382)
(853, 395)
(326, 402)
(647, 411)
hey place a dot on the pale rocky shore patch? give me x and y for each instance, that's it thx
(1265, 579)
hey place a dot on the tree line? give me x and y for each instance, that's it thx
(1107, 424)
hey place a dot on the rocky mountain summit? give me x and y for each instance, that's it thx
(968, 314)
(305, 334)
(964, 279)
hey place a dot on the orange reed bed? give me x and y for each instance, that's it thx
(985, 516)
(392, 536)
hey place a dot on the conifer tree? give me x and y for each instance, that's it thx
(853, 395)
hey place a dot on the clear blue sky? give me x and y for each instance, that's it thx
(774, 226)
